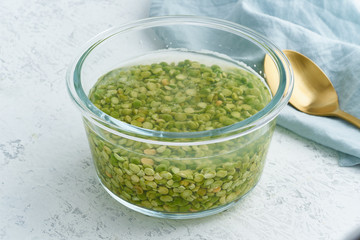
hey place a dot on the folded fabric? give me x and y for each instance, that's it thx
(326, 32)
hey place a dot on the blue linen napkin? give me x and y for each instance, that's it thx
(328, 32)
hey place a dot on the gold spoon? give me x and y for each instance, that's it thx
(313, 92)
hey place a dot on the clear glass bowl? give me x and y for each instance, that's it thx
(177, 174)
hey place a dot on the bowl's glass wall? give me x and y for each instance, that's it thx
(179, 179)
(129, 44)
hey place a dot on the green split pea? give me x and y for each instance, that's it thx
(182, 97)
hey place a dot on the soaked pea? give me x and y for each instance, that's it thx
(183, 97)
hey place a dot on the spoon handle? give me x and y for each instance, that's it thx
(347, 117)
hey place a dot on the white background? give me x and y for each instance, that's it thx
(48, 187)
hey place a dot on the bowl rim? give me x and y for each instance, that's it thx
(123, 129)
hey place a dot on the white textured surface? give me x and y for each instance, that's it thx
(48, 187)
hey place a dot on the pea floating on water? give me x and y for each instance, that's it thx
(185, 97)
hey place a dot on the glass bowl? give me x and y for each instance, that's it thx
(177, 174)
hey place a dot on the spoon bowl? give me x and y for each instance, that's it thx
(313, 92)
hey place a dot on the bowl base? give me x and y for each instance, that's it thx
(189, 215)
